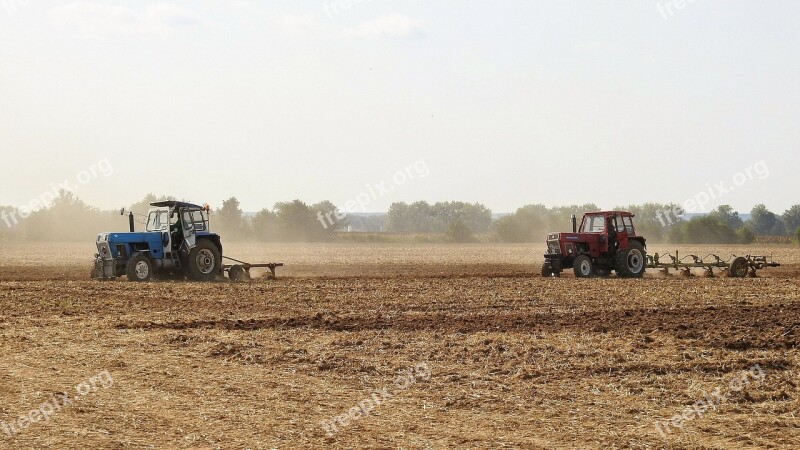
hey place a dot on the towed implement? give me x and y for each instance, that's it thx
(606, 242)
(176, 244)
(735, 266)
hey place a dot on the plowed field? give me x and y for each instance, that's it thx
(384, 346)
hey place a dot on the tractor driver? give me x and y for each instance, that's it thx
(175, 229)
(612, 232)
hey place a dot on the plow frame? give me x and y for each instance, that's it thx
(241, 270)
(736, 266)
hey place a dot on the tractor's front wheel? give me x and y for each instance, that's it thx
(139, 268)
(583, 266)
(204, 262)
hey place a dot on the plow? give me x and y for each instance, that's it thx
(735, 266)
(241, 270)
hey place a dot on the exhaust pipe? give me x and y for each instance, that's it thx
(574, 224)
(130, 221)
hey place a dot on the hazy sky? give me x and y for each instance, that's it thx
(502, 102)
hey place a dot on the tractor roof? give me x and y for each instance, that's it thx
(173, 204)
(620, 213)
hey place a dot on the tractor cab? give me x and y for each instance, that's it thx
(182, 222)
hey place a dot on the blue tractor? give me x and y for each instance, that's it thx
(176, 244)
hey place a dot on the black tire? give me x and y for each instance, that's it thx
(139, 268)
(238, 273)
(583, 266)
(738, 268)
(632, 262)
(204, 261)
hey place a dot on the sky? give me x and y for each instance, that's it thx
(369, 102)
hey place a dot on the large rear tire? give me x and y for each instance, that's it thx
(204, 262)
(583, 266)
(632, 261)
(139, 268)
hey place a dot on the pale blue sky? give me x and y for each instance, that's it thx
(507, 103)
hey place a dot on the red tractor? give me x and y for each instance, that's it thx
(605, 241)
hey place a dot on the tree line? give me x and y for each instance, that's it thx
(67, 218)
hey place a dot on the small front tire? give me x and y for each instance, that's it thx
(139, 269)
(583, 266)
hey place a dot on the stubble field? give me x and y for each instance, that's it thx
(391, 346)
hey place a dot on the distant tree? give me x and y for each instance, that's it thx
(298, 222)
(68, 218)
(458, 231)
(706, 229)
(654, 220)
(791, 218)
(745, 235)
(265, 226)
(764, 222)
(229, 219)
(727, 215)
(558, 218)
(329, 217)
(797, 235)
(398, 219)
(527, 224)
(475, 216)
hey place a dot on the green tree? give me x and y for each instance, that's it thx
(797, 235)
(475, 216)
(764, 222)
(706, 229)
(654, 220)
(329, 217)
(298, 222)
(265, 226)
(229, 220)
(458, 231)
(791, 218)
(527, 224)
(727, 215)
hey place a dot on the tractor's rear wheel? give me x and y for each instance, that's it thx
(139, 268)
(204, 262)
(583, 266)
(738, 268)
(631, 262)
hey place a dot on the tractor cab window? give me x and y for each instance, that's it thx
(157, 221)
(199, 220)
(618, 224)
(594, 224)
(628, 224)
(188, 223)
